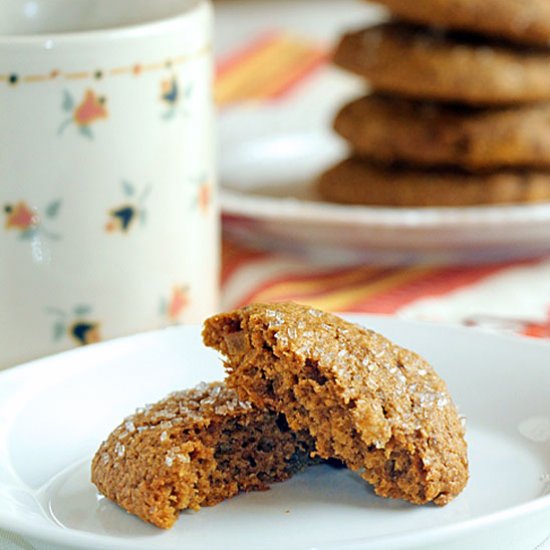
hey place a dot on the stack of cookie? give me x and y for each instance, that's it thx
(460, 112)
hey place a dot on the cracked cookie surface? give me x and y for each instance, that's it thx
(195, 448)
(379, 408)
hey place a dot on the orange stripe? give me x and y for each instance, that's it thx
(246, 80)
(311, 285)
(440, 282)
(340, 295)
(269, 69)
(292, 69)
(295, 78)
(241, 56)
(346, 299)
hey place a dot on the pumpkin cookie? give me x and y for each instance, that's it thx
(525, 22)
(389, 129)
(426, 64)
(358, 181)
(379, 408)
(193, 449)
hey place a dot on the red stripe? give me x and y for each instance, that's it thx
(438, 283)
(235, 257)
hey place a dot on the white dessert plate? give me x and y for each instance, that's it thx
(269, 160)
(55, 412)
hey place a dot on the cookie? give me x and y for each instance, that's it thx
(193, 449)
(380, 409)
(390, 130)
(525, 22)
(422, 63)
(361, 182)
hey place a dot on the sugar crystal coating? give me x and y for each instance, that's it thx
(195, 448)
(377, 407)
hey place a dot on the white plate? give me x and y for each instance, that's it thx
(56, 411)
(269, 202)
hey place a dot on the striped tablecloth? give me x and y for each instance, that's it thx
(512, 297)
(277, 67)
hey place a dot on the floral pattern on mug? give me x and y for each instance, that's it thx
(91, 108)
(123, 216)
(25, 219)
(78, 325)
(171, 95)
(174, 307)
(202, 197)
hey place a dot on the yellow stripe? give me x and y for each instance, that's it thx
(288, 68)
(36, 78)
(153, 67)
(76, 76)
(346, 299)
(242, 82)
(297, 288)
(255, 76)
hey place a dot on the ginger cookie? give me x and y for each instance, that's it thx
(362, 182)
(379, 408)
(524, 22)
(194, 449)
(422, 63)
(390, 129)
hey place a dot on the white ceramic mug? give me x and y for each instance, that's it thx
(108, 220)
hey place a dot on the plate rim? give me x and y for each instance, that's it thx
(67, 536)
(239, 202)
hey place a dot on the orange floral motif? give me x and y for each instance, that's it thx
(172, 307)
(28, 223)
(205, 196)
(178, 302)
(91, 108)
(20, 216)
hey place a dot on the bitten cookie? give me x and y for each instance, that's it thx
(358, 181)
(525, 22)
(426, 64)
(379, 408)
(389, 129)
(193, 449)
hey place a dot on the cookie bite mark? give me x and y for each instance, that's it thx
(380, 409)
(193, 449)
